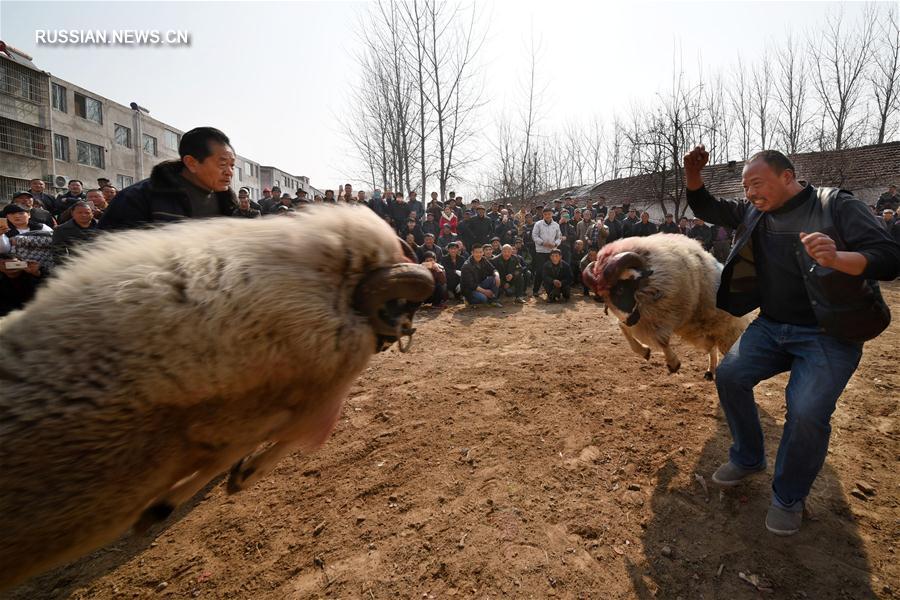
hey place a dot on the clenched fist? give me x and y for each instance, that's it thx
(694, 161)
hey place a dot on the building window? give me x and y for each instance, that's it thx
(240, 173)
(123, 181)
(61, 147)
(22, 82)
(170, 140)
(150, 146)
(24, 139)
(89, 154)
(123, 135)
(60, 101)
(88, 108)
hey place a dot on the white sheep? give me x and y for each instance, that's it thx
(661, 285)
(159, 358)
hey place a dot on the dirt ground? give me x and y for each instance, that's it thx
(525, 452)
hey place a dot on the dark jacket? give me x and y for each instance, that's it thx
(628, 227)
(615, 230)
(399, 213)
(443, 241)
(68, 235)
(562, 271)
(379, 206)
(846, 307)
(669, 228)
(250, 213)
(507, 267)
(474, 273)
(64, 201)
(480, 230)
(703, 234)
(887, 201)
(438, 253)
(39, 215)
(642, 229)
(159, 199)
(450, 269)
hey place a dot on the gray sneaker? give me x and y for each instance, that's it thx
(497, 304)
(783, 522)
(729, 474)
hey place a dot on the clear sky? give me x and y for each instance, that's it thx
(274, 75)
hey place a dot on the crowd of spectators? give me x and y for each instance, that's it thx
(478, 254)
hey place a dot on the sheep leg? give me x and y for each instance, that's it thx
(672, 360)
(638, 348)
(309, 431)
(713, 362)
(183, 490)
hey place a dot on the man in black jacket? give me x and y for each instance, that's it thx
(65, 201)
(41, 198)
(702, 233)
(453, 264)
(82, 227)
(557, 278)
(644, 227)
(480, 280)
(480, 228)
(509, 268)
(807, 259)
(196, 186)
(669, 225)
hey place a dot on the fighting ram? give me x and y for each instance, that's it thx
(216, 338)
(661, 285)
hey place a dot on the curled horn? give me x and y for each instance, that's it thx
(619, 263)
(389, 297)
(407, 251)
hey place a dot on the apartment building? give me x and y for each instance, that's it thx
(55, 130)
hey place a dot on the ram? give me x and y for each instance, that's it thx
(661, 285)
(159, 358)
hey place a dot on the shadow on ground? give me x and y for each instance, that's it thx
(725, 535)
(64, 581)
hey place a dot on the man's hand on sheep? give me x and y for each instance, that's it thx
(694, 161)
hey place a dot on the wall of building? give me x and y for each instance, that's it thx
(121, 164)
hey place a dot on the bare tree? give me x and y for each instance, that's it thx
(741, 107)
(841, 58)
(885, 75)
(529, 117)
(761, 95)
(791, 95)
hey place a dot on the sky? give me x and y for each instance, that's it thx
(276, 76)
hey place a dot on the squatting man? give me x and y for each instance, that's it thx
(809, 259)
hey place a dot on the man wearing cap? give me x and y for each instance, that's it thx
(505, 227)
(301, 197)
(415, 205)
(399, 211)
(38, 215)
(567, 231)
(245, 209)
(546, 236)
(480, 227)
(462, 229)
(556, 277)
(430, 225)
(198, 185)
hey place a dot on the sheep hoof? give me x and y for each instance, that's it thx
(646, 353)
(674, 368)
(238, 476)
(708, 376)
(152, 515)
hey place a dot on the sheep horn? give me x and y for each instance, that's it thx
(407, 251)
(621, 261)
(389, 297)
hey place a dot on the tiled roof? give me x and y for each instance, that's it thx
(852, 169)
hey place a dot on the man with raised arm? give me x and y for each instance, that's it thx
(808, 258)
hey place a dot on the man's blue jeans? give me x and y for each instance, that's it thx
(820, 367)
(489, 283)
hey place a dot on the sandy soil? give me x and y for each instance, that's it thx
(526, 452)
